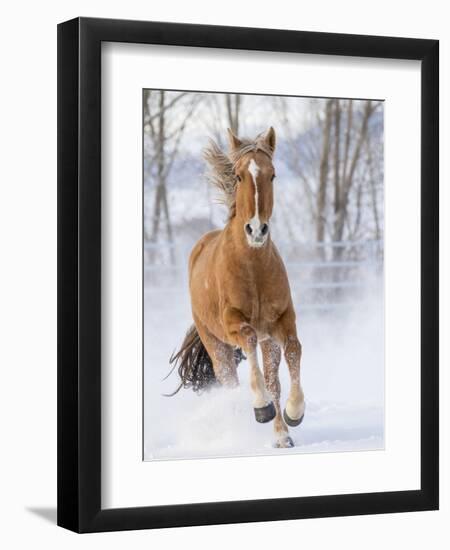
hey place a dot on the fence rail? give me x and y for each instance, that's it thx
(319, 280)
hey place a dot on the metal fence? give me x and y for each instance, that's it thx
(323, 276)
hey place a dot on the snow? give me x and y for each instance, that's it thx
(343, 350)
(342, 376)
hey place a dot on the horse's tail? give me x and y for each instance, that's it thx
(195, 367)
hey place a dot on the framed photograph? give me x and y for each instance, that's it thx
(247, 275)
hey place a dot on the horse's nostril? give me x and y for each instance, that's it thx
(248, 229)
(264, 228)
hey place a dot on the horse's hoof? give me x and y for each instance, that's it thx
(292, 421)
(265, 414)
(284, 443)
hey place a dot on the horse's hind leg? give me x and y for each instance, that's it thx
(271, 353)
(222, 356)
(241, 334)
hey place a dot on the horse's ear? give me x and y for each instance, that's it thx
(270, 139)
(233, 140)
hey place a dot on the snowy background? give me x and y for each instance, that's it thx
(328, 225)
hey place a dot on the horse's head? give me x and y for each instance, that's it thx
(254, 173)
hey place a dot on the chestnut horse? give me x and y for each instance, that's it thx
(240, 291)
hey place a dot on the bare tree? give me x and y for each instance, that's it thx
(164, 132)
(323, 174)
(302, 161)
(233, 106)
(373, 188)
(332, 161)
(347, 179)
(337, 154)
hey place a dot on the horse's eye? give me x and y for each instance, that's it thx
(238, 177)
(272, 178)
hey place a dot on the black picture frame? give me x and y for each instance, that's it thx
(79, 274)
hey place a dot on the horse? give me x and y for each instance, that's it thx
(239, 291)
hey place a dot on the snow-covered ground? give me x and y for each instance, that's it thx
(343, 351)
(342, 375)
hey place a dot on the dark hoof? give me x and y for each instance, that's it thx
(265, 414)
(290, 421)
(285, 443)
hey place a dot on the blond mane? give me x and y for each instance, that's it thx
(220, 173)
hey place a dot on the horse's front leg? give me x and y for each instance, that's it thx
(240, 333)
(287, 335)
(271, 353)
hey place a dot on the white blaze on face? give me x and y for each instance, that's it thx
(255, 231)
(253, 168)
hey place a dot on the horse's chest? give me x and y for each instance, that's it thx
(261, 304)
(260, 293)
(268, 311)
